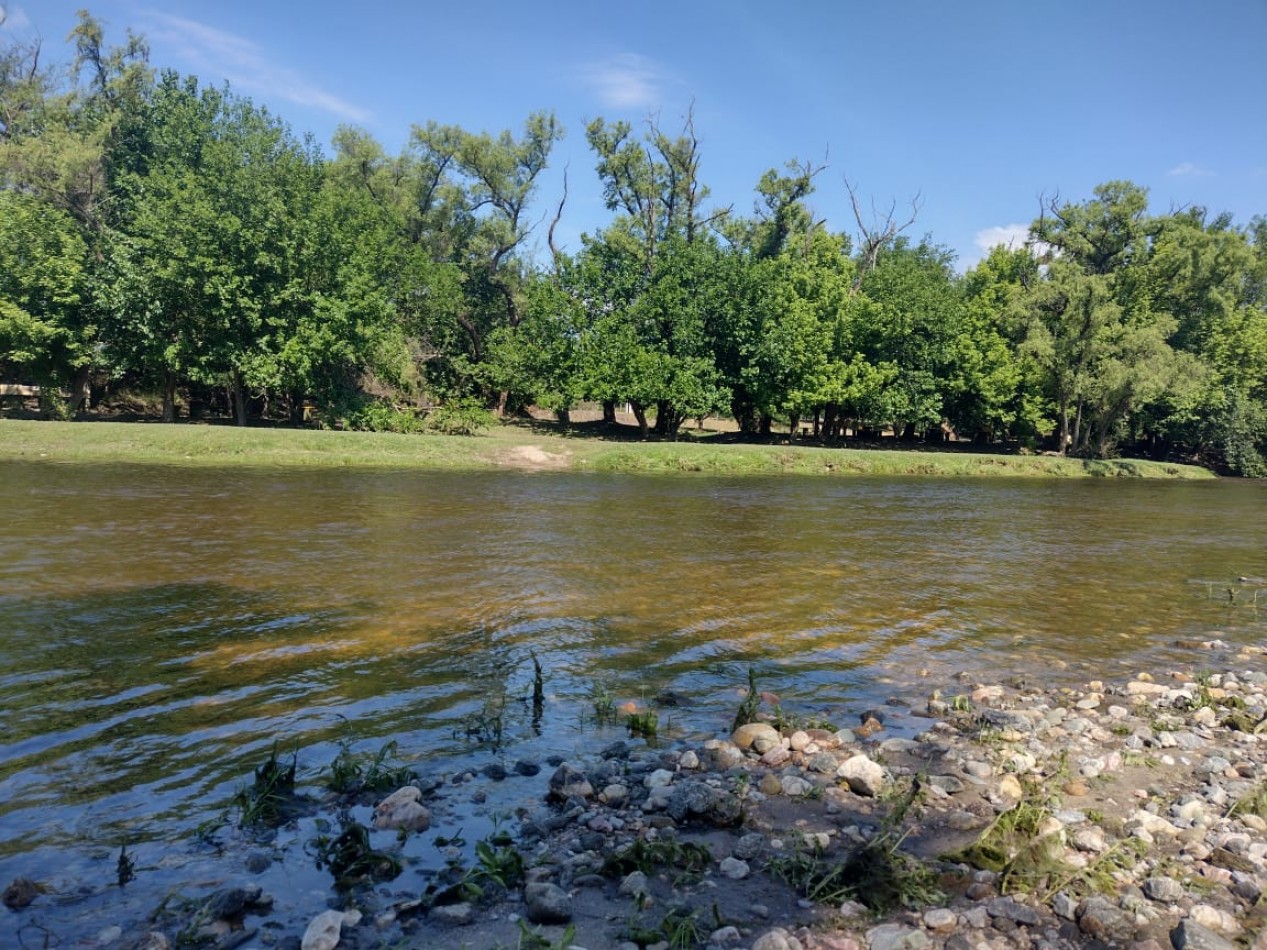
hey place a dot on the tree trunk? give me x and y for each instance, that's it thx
(766, 423)
(169, 398)
(830, 415)
(239, 400)
(609, 412)
(563, 416)
(793, 423)
(818, 423)
(641, 415)
(1077, 431)
(1064, 427)
(503, 397)
(79, 389)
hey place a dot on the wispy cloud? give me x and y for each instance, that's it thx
(13, 19)
(245, 64)
(1009, 235)
(626, 81)
(1189, 170)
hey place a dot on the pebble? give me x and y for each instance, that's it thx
(734, 868)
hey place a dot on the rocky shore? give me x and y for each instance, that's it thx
(1117, 814)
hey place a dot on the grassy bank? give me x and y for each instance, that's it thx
(518, 448)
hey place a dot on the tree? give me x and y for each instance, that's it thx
(483, 186)
(209, 271)
(44, 335)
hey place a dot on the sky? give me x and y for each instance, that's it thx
(979, 107)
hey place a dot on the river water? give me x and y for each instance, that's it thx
(162, 628)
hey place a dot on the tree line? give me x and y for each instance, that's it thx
(179, 239)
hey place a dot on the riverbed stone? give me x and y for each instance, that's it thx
(1163, 889)
(547, 903)
(896, 937)
(864, 776)
(324, 930)
(1100, 918)
(20, 893)
(1190, 935)
(401, 809)
(634, 884)
(734, 868)
(777, 939)
(568, 781)
(746, 735)
(453, 915)
(941, 920)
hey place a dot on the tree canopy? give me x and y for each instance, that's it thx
(177, 238)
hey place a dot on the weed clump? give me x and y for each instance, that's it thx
(644, 724)
(879, 875)
(352, 773)
(270, 799)
(352, 859)
(688, 857)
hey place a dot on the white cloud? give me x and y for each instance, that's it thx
(1009, 235)
(1188, 170)
(245, 65)
(13, 19)
(625, 81)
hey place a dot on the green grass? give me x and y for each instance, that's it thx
(521, 448)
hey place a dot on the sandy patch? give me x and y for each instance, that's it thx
(533, 458)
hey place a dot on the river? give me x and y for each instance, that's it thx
(162, 628)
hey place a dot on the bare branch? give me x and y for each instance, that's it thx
(875, 236)
(558, 215)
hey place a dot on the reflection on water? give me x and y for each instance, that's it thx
(159, 628)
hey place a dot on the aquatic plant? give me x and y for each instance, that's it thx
(645, 724)
(352, 772)
(125, 867)
(747, 711)
(352, 859)
(267, 799)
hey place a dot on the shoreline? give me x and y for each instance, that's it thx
(1129, 813)
(516, 448)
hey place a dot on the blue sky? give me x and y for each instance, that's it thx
(980, 107)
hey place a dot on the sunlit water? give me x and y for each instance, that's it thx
(161, 628)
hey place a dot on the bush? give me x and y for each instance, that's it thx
(461, 417)
(373, 416)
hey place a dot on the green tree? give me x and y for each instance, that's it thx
(210, 277)
(44, 335)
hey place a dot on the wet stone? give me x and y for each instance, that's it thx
(453, 915)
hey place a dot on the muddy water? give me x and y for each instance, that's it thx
(160, 629)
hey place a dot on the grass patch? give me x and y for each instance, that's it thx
(219, 445)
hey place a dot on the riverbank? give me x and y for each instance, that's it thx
(995, 814)
(521, 448)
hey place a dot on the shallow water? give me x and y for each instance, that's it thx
(161, 628)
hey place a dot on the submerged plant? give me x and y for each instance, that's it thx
(644, 724)
(352, 859)
(267, 800)
(604, 704)
(125, 867)
(353, 772)
(747, 711)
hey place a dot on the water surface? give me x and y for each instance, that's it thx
(161, 628)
